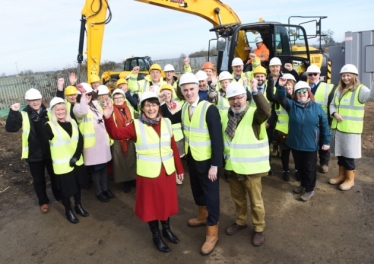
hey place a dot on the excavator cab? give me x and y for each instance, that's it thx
(287, 42)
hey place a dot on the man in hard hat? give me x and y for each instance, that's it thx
(237, 70)
(261, 50)
(35, 147)
(203, 144)
(151, 82)
(202, 78)
(208, 68)
(169, 71)
(95, 83)
(323, 95)
(242, 126)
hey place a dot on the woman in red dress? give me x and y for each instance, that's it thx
(157, 163)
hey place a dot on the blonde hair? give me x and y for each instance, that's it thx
(355, 82)
(53, 114)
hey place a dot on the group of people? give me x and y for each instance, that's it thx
(143, 129)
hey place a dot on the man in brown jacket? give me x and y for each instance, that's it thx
(246, 152)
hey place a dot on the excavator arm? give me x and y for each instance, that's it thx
(214, 11)
(93, 20)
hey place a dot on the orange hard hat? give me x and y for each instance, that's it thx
(208, 65)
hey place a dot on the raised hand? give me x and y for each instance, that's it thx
(15, 107)
(60, 84)
(186, 61)
(252, 56)
(81, 88)
(136, 69)
(254, 84)
(288, 66)
(72, 78)
(107, 108)
(282, 81)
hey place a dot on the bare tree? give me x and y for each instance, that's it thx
(327, 38)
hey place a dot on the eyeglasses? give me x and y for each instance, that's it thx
(150, 105)
(117, 98)
(312, 74)
(236, 98)
(89, 94)
(301, 91)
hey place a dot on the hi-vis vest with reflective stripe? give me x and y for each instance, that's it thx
(196, 132)
(26, 127)
(63, 147)
(245, 154)
(223, 103)
(352, 112)
(283, 118)
(322, 94)
(153, 150)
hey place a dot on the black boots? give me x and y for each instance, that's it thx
(157, 240)
(79, 210)
(166, 232)
(71, 217)
(286, 176)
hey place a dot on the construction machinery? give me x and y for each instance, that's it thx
(285, 41)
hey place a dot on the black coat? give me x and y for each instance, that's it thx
(38, 142)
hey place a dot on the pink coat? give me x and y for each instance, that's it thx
(100, 152)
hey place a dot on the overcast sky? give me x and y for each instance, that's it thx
(41, 35)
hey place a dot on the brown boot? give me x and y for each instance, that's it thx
(200, 219)
(349, 180)
(211, 240)
(340, 178)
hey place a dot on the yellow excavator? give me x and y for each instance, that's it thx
(285, 41)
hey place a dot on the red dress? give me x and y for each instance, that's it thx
(156, 198)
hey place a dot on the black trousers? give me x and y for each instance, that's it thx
(306, 163)
(77, 200)
(347, 163)
(37, 170)
(324, 155)
(204, 191)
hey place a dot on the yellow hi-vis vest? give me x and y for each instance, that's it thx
(196, 132)
(352, 112)
(153, 150)
(253, 103)
(283, 119)
(222, 104)
(87, 129)
(245, 154)
(322, 95)
(26, 127)
(63, 147)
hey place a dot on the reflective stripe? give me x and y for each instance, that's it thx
(197, 130)
(60, 161)
(242, 159)
(155, 159)
(202, 120)
(282, 122)
(247, 146)
(151, 146)
(197, 144)
(352, 118)
(88, 135)
(25, 148)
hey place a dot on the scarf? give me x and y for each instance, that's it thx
(147, 121)
(233, 122)
(122, 119)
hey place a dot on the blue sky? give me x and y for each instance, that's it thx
(41, 35)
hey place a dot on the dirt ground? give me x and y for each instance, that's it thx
(334, 227)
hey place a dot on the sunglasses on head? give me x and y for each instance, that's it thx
(89, 94)
(312, 74)
(301, 91)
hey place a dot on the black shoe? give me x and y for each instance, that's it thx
(133, 183)
(297, 176)
(102, 197)
(79, 210)
(166, 232)
(109, 194)
(127, 187)
(286, 176)
(71, 217)
(226, 177)
(270, 172)
(156, 237)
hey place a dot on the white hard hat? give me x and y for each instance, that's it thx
(169, 67)
(349, 68)
(289, 76)
(102, 89)
(201, 75)
(33, 94)
(225, 75)
(301, 85)
(234, 89)
(146, 95)
(87, 87)
(237, 62)
(117, 91)
(275, 62)
(188, 77)
(258, 40)
(54, 101)
(313, 69)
